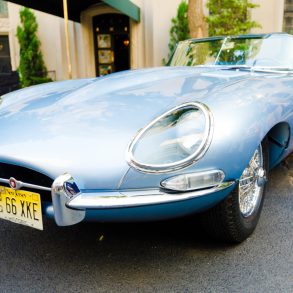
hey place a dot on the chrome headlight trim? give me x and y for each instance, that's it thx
(171, 167)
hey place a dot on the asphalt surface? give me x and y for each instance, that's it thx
(158, 257)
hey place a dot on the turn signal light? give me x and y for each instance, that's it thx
(194, 181)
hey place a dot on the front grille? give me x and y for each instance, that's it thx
(28, 176)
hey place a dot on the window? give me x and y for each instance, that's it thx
(3, 9)
(288, 16)
(288, 5)
(288, 21)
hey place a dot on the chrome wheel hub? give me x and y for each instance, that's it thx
(251, 184)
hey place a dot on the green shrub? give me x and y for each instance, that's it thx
(179, 30)
(32, 69)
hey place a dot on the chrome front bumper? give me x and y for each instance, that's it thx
(70, 208)
(70, 204)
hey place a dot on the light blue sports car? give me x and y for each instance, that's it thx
(196, 136)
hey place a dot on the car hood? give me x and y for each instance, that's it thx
(83, 127)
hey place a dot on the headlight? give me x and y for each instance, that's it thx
(173, 141)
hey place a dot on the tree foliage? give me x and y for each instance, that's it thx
(32, 69)
(179, 30)
(230, 17)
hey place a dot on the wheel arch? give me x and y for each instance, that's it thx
(278, 139)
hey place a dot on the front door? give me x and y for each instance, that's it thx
(5, 62)
(112, 43)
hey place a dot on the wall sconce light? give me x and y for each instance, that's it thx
(126, 43)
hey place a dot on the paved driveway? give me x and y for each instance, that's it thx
(153, 257)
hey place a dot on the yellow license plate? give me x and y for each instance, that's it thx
(22, 207)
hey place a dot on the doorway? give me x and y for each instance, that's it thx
(5, 60)
(112, 43)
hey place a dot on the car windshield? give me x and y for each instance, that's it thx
(268, 52)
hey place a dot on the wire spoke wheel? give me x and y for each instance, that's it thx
(235, 218)
(251, 184)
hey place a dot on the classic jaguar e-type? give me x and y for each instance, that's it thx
(196, 136)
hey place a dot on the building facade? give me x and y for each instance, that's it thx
(5, 52)
(106, 40)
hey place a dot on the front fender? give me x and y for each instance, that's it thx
(244, 113)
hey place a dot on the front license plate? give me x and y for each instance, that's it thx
(22, 207)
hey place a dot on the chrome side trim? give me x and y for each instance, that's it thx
(133, 198)
(165, 168)
(21, 184)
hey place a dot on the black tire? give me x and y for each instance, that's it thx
(225, 222)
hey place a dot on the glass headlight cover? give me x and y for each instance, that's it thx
(172, 141)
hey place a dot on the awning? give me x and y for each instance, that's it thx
(75, 7)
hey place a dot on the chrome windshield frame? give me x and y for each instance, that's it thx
(214, 64)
